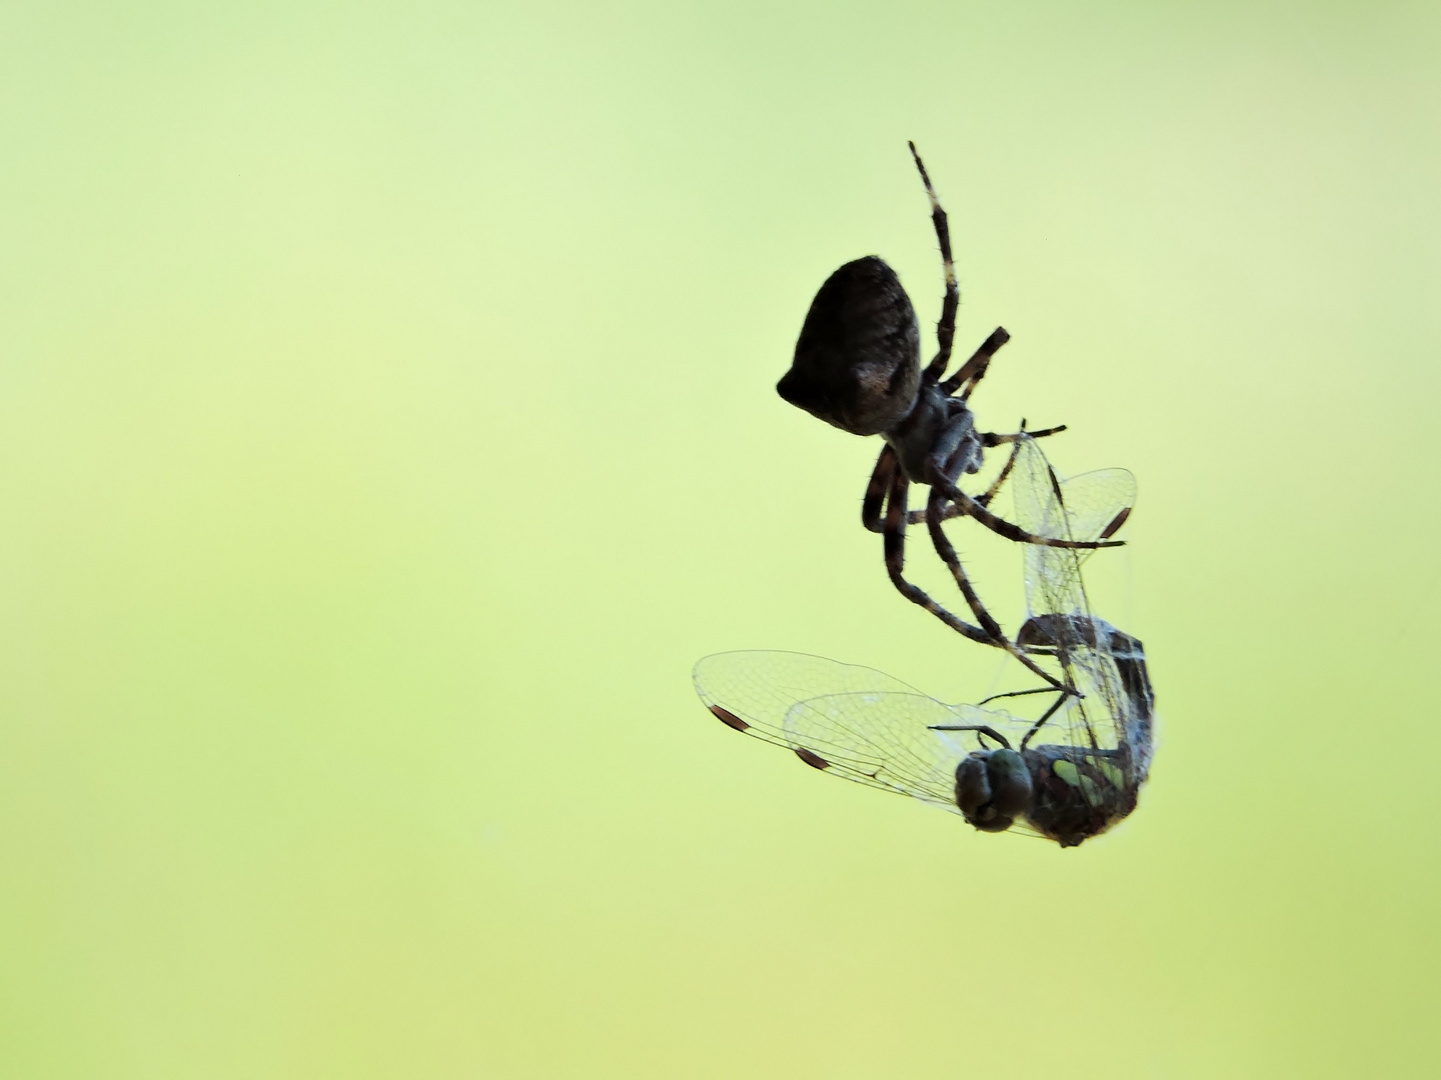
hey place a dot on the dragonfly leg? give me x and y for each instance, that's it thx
(1018, 693)
(1044, 717)
(984, 729)
(1051, 711)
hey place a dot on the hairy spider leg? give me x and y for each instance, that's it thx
(970, 507)
(974, 369)
(895, 548)
(947, 552)
(946, 328)
(873, 505)
(1005, 473)
(888, 484)
(990, 438)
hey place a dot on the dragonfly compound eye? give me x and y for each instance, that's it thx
(991, 792)
(1011, 790)
(858, 360)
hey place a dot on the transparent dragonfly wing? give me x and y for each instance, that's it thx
(853, 722)
(892, 741)
(1091, 506)
(1104, 664)
(757, 687)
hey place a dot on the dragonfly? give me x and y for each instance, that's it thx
(1067, 776)
(1112, 702)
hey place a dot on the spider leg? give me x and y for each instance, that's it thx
(974, 369)
(990, 438)
(895, 547)
(946, 328)
(1005, 473)
(876, 488)
(1011, 531)
(997, 636)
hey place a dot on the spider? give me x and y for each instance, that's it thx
(857, 367)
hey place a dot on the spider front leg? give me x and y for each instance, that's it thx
(946, 328)
(941, 481)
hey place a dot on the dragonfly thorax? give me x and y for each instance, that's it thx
(1078, 793)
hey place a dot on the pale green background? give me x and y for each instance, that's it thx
(387, 424)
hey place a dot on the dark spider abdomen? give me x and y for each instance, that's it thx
(857, 363)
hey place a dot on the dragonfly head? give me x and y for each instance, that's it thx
(993, 788)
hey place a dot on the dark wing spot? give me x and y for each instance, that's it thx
(815, 761)
(1116, 523)
(725, 716)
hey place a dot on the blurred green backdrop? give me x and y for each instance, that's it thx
(387, 424)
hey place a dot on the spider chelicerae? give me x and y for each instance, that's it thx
(857, 367)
